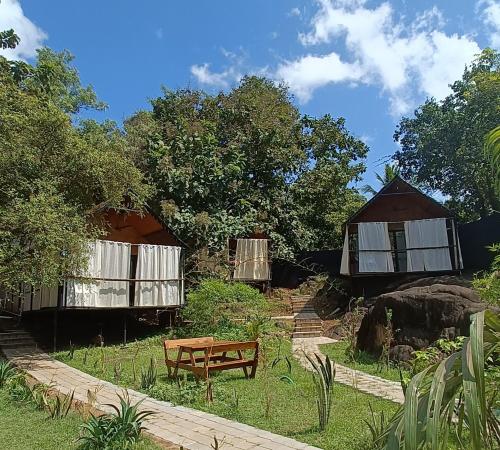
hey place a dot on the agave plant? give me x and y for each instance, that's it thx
(148, 376)
(119, 430)
(452, 393)
(323, 381)
(7, 371)
(59, 406)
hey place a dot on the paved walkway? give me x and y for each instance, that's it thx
(370, 384)
(171, 424)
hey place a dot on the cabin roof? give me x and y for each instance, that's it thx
(398, 186)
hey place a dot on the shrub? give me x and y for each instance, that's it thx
(116, 431)
(7, 371)
(214, 302)
(323, 381)
(148, 376)
(488, 283)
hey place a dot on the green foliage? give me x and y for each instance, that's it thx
(488, 283)
(245, 161)
(213, 303)
(7, 371)
(391, 171)
(54, 173)
(120, 430)
(184, 392)
(323, 381)
(148, 376)
(442, 146)
(455, 386)
(8, 39)
(60, 405)
(492, 151)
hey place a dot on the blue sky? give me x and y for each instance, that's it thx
(368, 61)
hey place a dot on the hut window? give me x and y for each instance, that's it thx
(398, 247)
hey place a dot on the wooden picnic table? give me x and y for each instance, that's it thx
(206, 355)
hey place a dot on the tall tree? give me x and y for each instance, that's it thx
(52, 172)
(390, 172)
(231, 164)
(442, 145)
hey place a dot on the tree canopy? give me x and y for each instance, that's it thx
(245, 161)
(442, 145)
(53, 172)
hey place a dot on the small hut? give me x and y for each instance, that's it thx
(399, 232)
(137, 265)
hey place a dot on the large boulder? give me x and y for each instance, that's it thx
(422, 312)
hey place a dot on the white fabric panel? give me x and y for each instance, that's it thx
(49, 297)
(344, 265)
(251, 261)
(158, 262)
(107, 259)
(427, 233)
(374, 236)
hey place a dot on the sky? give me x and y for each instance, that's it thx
(371, 62)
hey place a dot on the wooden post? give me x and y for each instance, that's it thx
(124, 327)
(55, 331)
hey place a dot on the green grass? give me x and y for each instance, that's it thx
(364, 361)
(22, 427)
(291, 406)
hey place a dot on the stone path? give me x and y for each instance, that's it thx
(370, 384)
(171, 424)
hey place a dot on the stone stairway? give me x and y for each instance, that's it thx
(307, 322)
(16, 339)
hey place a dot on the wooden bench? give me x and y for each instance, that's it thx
(205, 355)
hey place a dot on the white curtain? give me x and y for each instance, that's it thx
(107, 259)
(374, 236)
(344, 265)
(427, 233)
(163, 263)
(251, 261)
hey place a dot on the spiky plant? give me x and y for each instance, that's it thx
(323, 376)
(121, 429)
(148, 376)
(453, 393)
(7, 371)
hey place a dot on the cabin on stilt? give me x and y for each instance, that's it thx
(136, 267)
(250, 260)
(400, 233)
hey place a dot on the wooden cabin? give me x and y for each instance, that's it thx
(136, 264)
(250, 261)
(400, 232)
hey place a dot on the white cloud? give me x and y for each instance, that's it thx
(308, 73)
(491, 18)
(205, 76)
(404, 60)
(32, 37)
(294, 12)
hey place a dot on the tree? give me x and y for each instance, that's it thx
(235, 163)
(390, 172)
(54, 173)
(442, 145)
(492, 151)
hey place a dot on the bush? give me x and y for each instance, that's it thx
(117, 431)
(488, 283)
(214, 303)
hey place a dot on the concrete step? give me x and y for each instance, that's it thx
(306, 334)
(307, 329)
(14, 333)
(307, 322)
(14, 344)
(17, 337)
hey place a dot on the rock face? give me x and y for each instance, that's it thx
(422, 312)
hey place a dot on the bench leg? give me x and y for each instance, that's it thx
(255, 362)
(245, 371)
(179, 357)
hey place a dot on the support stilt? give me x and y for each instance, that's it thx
(54, 344)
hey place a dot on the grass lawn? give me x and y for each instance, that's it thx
(268, 402)
(22, 427)
(365, 362)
